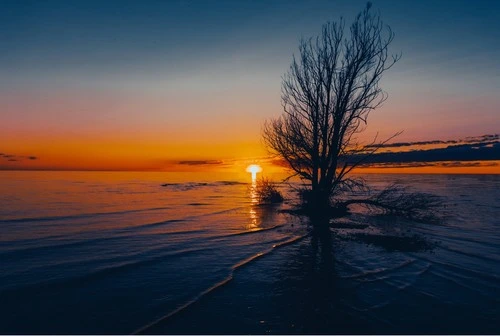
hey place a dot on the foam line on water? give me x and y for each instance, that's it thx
(243, 233)
(221, 283)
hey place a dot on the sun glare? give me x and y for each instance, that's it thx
(254, 169)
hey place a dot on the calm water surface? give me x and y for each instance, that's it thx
(114, 252)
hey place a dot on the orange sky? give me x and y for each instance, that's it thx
(94, 131)
(97, 96)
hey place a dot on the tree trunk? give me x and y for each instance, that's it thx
(318, 202)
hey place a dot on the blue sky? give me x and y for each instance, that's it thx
(144, 38)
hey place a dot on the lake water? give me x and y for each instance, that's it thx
(108, 252)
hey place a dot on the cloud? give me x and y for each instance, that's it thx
(445, 164)
(16, 158)
(467, 140)
(464, 152)
(201, 162)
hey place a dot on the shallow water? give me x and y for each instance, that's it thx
(115, 252)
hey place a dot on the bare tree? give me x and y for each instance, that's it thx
(327, 94)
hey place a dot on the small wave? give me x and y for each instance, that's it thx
(231, 183)
(221, 283)
(99, 273)
(380, 271)
(463, 236)
(116, 232)
(493, 258)
(399, 284)
(62, 241)
(30, 250)
(247, 261)
(151, 225)
(185, 186)
(78, 216)
(241, 233)
(463, 271)
(459, 282)
(37, 249)
(415, 243)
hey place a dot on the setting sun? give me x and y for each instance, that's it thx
(254, 169)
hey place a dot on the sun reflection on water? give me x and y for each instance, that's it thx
(254, 222)
(253, 193)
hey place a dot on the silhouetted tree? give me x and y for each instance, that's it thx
(327, 94)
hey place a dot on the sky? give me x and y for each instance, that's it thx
(151, 85)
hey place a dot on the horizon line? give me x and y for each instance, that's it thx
(380, 171)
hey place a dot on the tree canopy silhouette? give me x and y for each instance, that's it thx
(327, 94)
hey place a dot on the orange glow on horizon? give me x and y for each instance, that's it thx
(58, 152)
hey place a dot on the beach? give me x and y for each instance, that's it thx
(98, 253)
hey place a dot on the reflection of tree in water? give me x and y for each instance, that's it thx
(317, 300)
